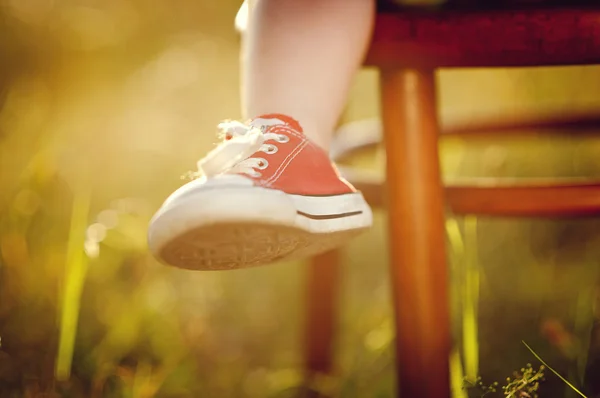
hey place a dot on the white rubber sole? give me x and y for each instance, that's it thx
(239, 227)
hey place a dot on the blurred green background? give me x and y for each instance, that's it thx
(104, 104)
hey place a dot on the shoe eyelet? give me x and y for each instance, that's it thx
(283, 138)
(262, 164)
(270, 149)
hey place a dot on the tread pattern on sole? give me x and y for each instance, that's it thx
(233, 246)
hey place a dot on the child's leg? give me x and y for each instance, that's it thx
(269, 191)
(300, 57)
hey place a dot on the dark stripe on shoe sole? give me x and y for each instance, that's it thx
(325, 195)
(328, 216)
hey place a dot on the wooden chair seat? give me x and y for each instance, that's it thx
(435, 5)
(486, 38)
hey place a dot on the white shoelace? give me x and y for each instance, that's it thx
(233, 154)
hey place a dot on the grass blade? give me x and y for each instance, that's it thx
(554, 371)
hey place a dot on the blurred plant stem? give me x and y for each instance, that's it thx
(74, 276)
(457, 375)
(471, 300)
(465, 250)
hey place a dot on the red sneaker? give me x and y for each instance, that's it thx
(266, 193)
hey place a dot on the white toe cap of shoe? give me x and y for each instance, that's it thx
(203, 183)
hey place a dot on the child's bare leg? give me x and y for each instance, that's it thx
(300, 57)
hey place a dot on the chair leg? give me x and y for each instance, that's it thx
(321, 318)
(417, 233)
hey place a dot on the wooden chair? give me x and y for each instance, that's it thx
(408, 46)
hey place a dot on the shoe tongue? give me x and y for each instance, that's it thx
(274, 119)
